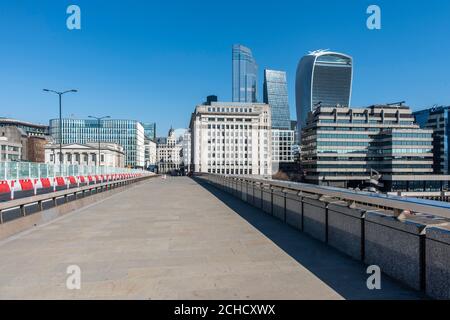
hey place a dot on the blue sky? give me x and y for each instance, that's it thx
(155, 60)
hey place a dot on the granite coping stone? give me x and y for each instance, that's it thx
(415, 224)
(439, 233)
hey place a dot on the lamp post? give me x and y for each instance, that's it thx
(60, 94)
(99, 119)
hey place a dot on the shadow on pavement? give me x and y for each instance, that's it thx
(343, 274)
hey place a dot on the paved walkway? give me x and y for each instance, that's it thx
(176, 239)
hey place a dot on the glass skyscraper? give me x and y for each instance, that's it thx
(275, 94)
(323, 78)
(150, 130)
(245, 74)
(127, 133)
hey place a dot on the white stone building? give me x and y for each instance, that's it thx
(232, 138)
(168, 153)
(111, 154)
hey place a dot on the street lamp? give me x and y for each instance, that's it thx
(60, 94)
(98, 120)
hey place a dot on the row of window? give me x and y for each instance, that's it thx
(227, 109)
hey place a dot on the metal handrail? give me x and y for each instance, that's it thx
(396, 203)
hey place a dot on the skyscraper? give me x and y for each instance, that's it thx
(245, 72)
(323, 78)
(150, 130)
(275, 94)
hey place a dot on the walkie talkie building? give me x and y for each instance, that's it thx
(324, 78)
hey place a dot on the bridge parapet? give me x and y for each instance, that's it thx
(408, 238)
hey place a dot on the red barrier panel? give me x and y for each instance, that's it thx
(81, 179)
(90, 179)
(45, 182)
(60, 181)
(4, 187)
(72, 180)
(26, 184)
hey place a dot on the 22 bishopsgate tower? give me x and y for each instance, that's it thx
(245, 71)
(323, 78)
(275, 94)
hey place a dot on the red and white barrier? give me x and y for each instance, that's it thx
(12, 186)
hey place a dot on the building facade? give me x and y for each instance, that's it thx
(232, 138)
(33, 139)
(282, 147)
(244, 75)
(275, 94)
(379, 146)
(12, 142)
(150, 130)
(30, 129)
(168, 153)
(111, 154)
(438, 120)
(127, 133)
(323, 78)
(150, 154)
(186, 150)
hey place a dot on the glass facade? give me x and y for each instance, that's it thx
(127, 133)
(275, 94)
(323, 78)
(365, 146)
(245, 75)
(150, 130)
(437, 119)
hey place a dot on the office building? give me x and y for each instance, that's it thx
(438, 120)
(150, 154)
(12, 141)
(150, 130)
(30, 129)
(111, 154)
(275, 94)
(127, 133)
(244, 75)
(168, 151)
(186, 149)
(380, 146)
(33, 139)
(282, 151)
(323, 78)
(232, 138)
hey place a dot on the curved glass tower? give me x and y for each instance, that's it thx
(245, 73)
(323, 78)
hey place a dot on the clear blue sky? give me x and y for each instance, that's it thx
(155, 60)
